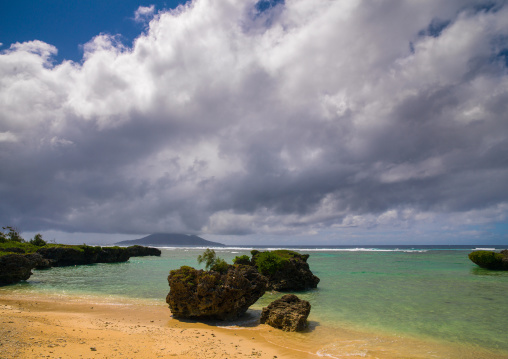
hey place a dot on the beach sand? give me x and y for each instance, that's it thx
(35, 327)
(42, 326)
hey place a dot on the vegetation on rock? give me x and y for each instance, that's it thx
(286, 270)
(18, 257)
(490, 260)
(212, 262)
(244, 259)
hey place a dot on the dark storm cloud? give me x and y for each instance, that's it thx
(231, 119)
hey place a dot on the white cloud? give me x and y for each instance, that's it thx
(298, 120)
(144, 13)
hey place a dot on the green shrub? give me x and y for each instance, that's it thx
(286, 253)
(13, 235)
(487, 259)
(3, 237)
(38, 241)
(220, 265)
(269, 262)
(212, 261)
(242, 259)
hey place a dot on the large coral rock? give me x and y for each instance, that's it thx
(15, 268)
(490, 260)
(293, 275)
(210, 294)
(288, 313)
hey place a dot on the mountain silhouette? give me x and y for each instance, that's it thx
(171, 239)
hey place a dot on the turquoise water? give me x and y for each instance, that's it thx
(431, 294)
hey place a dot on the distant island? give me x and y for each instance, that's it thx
(171, 239)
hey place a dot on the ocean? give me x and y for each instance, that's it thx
(400, 299)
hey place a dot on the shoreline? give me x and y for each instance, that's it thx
(61, 326)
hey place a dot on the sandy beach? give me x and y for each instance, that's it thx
(43, 328)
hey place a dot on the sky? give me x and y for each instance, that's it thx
(255, 122)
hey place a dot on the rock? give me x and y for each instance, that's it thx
(140, 251)
(38, 261)
(210, 294)
(490, 259)
(77, 255)
(112, 255)
(288, 313)
(69, 256)
(15, 268)
(292, 272)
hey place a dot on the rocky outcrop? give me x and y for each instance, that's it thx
(140, 251)
(15, 268)
(210, 294)
(77, 255)
(288, 313)
(70, 256)
(38, 261)
(291, 272)
(490, 259)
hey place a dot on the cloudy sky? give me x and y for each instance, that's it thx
(244, 121)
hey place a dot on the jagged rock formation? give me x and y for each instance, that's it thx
(38, 261)
(490, 260)
(288, 313)
(69, 256)
(210, 294)
(15, 268)
(289, 272)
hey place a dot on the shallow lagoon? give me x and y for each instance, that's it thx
(366, 297)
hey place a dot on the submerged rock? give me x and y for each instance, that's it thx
(210, 294)
(288, 313)
(285, 270)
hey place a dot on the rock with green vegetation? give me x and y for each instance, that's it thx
(244, 259)
(490, 259)
(18, 257)
(285, 270)
(212, 294)
(70, 255)
(288, 313)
